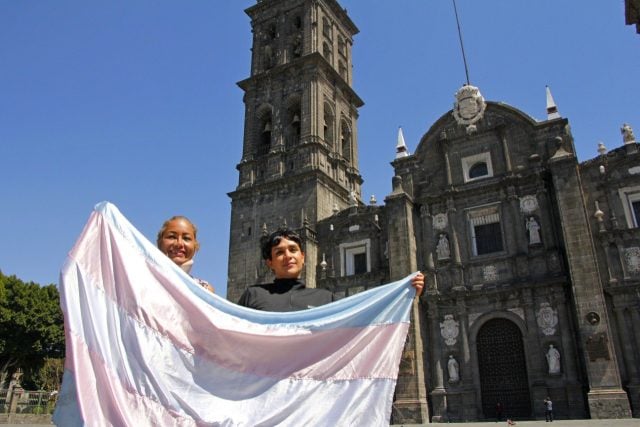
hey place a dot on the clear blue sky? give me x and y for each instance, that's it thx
(136, 102)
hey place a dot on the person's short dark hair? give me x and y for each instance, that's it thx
(274, 238)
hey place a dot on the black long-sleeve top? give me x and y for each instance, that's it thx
(284, 295)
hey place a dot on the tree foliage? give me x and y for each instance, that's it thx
(31, 327)
(49, 377)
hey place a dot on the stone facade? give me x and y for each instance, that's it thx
(532, 258)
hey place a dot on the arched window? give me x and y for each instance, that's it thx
(263, 130)
(326, 28)
(342, 69)
(329, 123)
(477, 166)
(342, 47)
(294, 124)
(345, 140)
(478, 169)
(326, 52)
(265, 137)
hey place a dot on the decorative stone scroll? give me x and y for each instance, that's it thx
(449, 329)
(547, 319)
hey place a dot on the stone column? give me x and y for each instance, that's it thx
(402, 242)
(505, 149)
(609, 257)
(537, 364)
(626, 345)
(521, 239)
(606, 397)
(634, 385)
(438, 393)
(469, 408)
(447, 163)
(575, 399)
(635, 321)
(463, 319)
(537, 371)
(411, 400)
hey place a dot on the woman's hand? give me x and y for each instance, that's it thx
(418, 283)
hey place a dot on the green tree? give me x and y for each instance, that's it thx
(31, 328)
(49, 377)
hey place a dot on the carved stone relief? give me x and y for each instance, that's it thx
(632, 258)
(490, 273)
(449, 329)
(440, 221)
(547, 319)
(528, 204)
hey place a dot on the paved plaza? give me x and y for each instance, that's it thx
(631, 422)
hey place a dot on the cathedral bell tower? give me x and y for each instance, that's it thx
(300, 156)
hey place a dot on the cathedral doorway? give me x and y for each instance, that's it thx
(503, 370)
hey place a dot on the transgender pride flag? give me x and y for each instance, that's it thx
(147, 346)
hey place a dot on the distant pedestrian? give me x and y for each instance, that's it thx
(548, 409)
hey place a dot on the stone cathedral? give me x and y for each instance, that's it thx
(532, 258)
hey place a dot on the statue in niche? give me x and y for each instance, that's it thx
(442, 249)
(627, 134)
(534, 231)
(553, 360)
(454, 369)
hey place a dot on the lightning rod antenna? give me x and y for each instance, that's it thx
(464, 57)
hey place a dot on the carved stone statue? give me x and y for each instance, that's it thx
(627, 134)
(553, 360)
(353, 201)
(454, 369)
(443, 247)
(534, 231)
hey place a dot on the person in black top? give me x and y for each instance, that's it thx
(283, 254)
